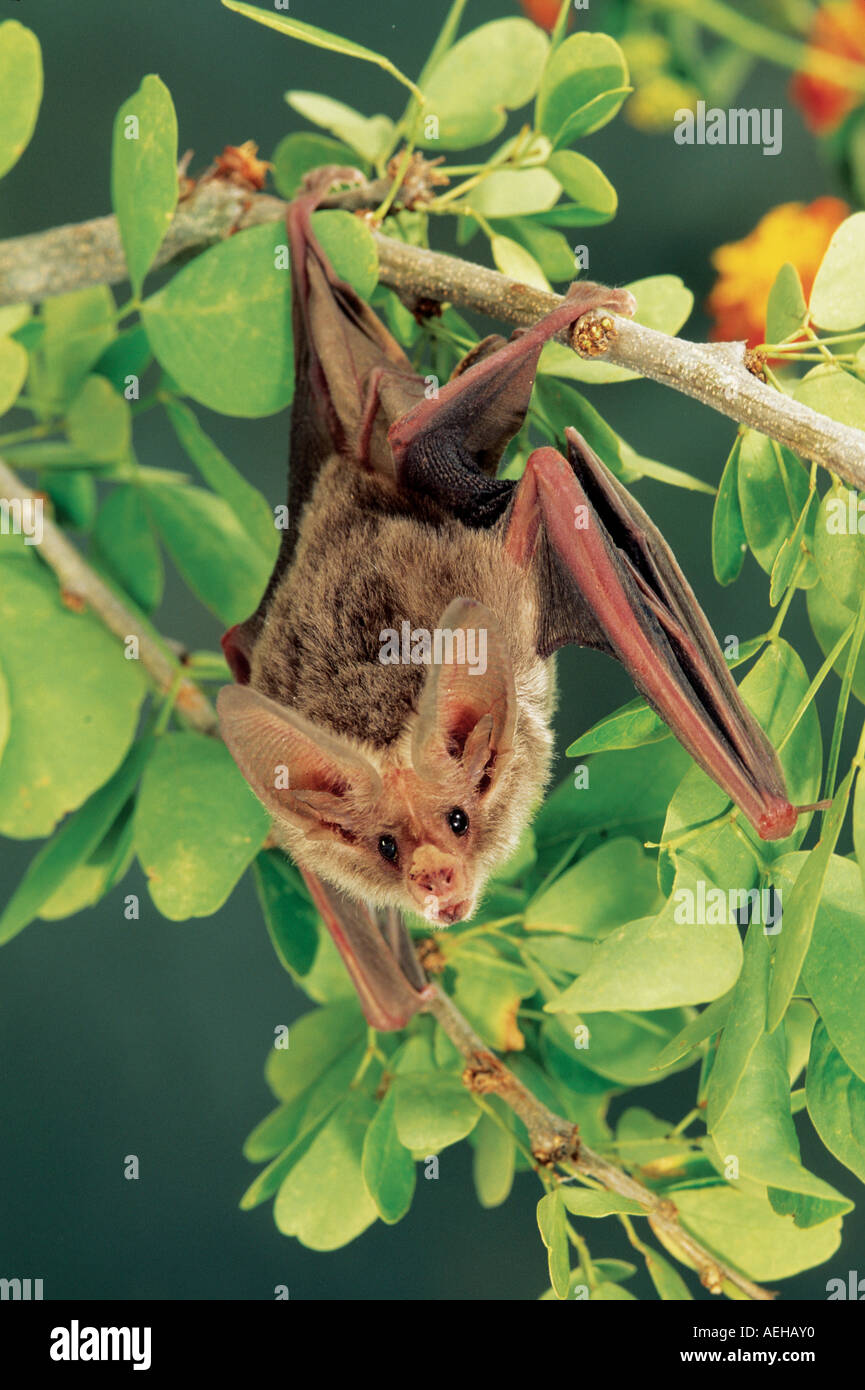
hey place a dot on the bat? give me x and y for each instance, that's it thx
(393, 691)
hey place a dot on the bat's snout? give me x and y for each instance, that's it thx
(436, 882)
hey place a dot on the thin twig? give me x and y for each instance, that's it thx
(79, 580)
(44, 264)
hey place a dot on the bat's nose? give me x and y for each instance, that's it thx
(435, 879)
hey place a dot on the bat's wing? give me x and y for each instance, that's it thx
(352, 380)
(612, 582)
(377, 953)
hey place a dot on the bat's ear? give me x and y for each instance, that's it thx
(294, 768)
(468, 706)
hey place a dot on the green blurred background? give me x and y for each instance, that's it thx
(149, 1037)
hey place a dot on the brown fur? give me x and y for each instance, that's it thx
(367, 561)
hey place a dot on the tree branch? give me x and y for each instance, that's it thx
(554, 1141)
(79, 581)
(44, 264)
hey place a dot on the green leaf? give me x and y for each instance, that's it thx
(296, 154)
(103, 869)
(197, 826)
(757, 1129)
(433, 1109)
(74, 700)
(626, 792)
(73, 497)
(547, 246)
(833, 967)
(14, 363)
(490, 71)
(625, 1048)
(370, 136)
(612, 884)
(830, 620)
(839, 549)
(221, 327)
(211, 549)
(74, 842)
(742, 1228)
(494, 1152)
(125, 543)
(788, 557)
(838, 294)
(514, 260)
(291, 1122)
(836, 1102)
(704, 1026)
(657, 962)
(744, 1026)
(99, 422)
(553, 1228)
(629, 727)
(589, 187)
(583, 85)
(348, 244)
(581, 1201)
(324, 1201)
(290, 917)
(20, 90)
(507, 192)
(637, 466)
(13, 317)
(5, 712)
(319, 38)
(668, 1282)
(610, 1293)
(858, 817)
(144, 183)
(801, 907)
(129, 355)
(78, 328)
(247, 503)
(773, 690)
(316, 1042)
(488, 992)
(834, 392)
(787, 309)
(388, 1167)
(773, 489)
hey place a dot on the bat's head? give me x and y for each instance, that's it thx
(419, 825)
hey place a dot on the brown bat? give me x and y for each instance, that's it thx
(394, 696)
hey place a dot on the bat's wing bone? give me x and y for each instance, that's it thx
(378, 955)
(613, 583)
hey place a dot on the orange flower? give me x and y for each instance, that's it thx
(747, 269)
(543, 12)
(838, 28)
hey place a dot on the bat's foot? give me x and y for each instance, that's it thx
(593, 334)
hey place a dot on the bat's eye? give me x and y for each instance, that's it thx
(387, 848)
(458, 820)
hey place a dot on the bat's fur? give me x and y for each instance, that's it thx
(366, 560)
